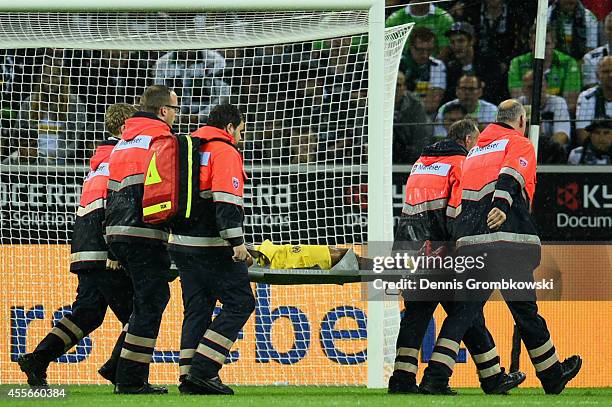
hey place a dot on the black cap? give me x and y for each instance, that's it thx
(461, 27)
(603, 123)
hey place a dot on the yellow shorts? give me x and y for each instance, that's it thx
(295, 257)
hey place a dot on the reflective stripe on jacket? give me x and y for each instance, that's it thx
(88, 249)
(219, 215)
(433, 183)
(127, 172)
(500, 172)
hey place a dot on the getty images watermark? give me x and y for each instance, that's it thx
(444, 277)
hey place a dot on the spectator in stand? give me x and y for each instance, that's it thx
(597, 149)
(500, 27)
(596, 101)
(194, 76)
(469, 91)
(464, 61)
(412, 129)
(425, 75)
(575, 26)
(592, 59)
(7, 112)
(600, 8)
(561, 71)
(555, 129)
(106, 77)
(53, 118)
(303, 146)
(424, 15)
(452, 114)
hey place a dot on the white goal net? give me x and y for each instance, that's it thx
(301, 79)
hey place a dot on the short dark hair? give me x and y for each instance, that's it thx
(470, 75)
(455, 106)
(154, 98)
(116, 115)
(422, 34)
(222, 115)
(461, 129)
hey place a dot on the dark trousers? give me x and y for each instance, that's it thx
(148, 267)
(477, 339)
(97, 290)
(207, 276)
(518, 263)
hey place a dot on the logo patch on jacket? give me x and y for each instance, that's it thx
(101, 170)
(204, 158)
(499, 145)
(440, 169)
(523, 162)
(137, 142)
(235, 182)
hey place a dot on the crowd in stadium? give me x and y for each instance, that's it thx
(463, 57)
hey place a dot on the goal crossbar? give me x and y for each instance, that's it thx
(184, 5)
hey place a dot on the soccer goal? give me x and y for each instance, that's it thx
(316, 81)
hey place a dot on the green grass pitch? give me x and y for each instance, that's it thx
(266, 396)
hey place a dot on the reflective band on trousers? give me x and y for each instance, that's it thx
(485, 357)
(425, 206)
(444, 359)
(211, 354)
(540, 350)
(470, 195)
(187, 353)
(225, 197)
(62, 335)
(539, 367)
(405, 366)
(90, 207)
(72, 327)
(180, 240)
(490, 371)
(230, 233)
(88, 256)
(411, 352)
(136, 232)
(498, 237)
(448, 344)
(514, 174)
(140, 341)
(136, 356)
(126, 182)
(218, 339)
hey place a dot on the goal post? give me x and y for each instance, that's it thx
(317, 81)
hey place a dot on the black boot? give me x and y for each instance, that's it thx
(35, 368)
(503, 382)
(206, 386)
(145, 388)
(108, 370)
(436, 387)
(402, 383)
(569, 369)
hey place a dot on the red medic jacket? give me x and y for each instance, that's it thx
(88, 250)
(127, 172)
(433, 180)
(219, 214)
(500, 171)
